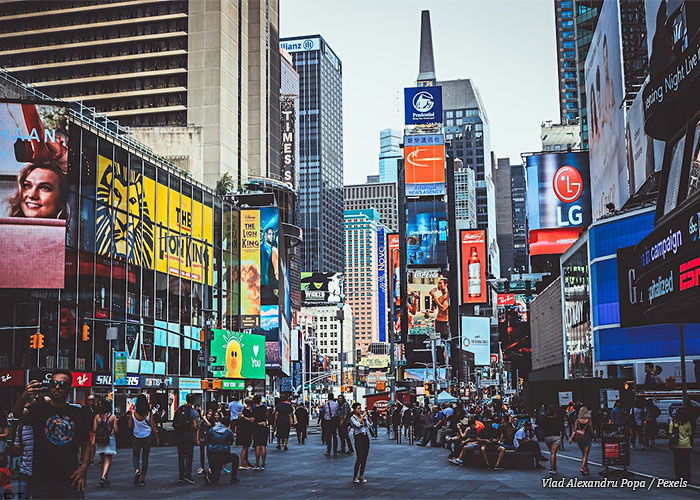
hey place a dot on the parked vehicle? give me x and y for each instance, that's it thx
(668, 407)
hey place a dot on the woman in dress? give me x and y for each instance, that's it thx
(583, 435)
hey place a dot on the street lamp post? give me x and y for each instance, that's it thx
(340, 315)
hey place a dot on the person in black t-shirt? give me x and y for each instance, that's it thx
(60, 435)
(302, 417)
(89, 412)
(260, 431)
(245, 432)
(283, 422)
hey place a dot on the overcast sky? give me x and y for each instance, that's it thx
(507, 48)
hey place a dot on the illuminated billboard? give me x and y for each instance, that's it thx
(476, 338)
(288, 129)
(394, 262)
(473, 261)
(552, 241)
(250, 268)
(35, 201)
(426, 233)
(238, 355)
(559, 194)
(381, 282)
(422, 105)
(321, 288)
(606, 117)
(424, 164)
(427, 302)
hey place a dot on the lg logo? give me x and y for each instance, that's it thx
(568, 186)
(423, 102)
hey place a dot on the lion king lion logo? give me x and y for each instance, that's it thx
(124, 224)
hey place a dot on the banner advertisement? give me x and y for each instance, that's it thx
(426, 233)
(269, 273)
(238, 355)
(578, 334)
(473, 262)
(11, 378)
(151, 225)
(424, 164)
(381, 282)
(34, 201)
(422, 105)
(641, 149)
(425, 287)
(272, 356)
(250, 268)
(606, 115)
(285, 349)
(631, 297)
(321, 288)
(287, 129)
(552, 241)
(120, 358)
(394, 261)
(559, 194)
(476, 338)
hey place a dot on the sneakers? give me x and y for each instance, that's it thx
(553, 472)
(285, 447)
(189, 480)
(227, 470)
(245, 467)
(355, 480)
(497, 467)
(200, 471)
(207, 478)
(142, 482)
(456, 461)
(585, 471)
(137, 477)
(104, 482)
(363, 480)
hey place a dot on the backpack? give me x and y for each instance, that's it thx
(182, 422)
(103, 433)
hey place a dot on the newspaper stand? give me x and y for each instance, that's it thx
(615, 448)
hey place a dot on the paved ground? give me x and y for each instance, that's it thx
(393, 471)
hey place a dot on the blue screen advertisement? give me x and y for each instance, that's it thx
(381, 275)
(423, 105)
(426, 233)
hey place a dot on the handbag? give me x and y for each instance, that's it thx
(675, 436)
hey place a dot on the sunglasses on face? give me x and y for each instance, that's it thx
(58, 383)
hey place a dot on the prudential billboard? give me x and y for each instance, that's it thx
(423, 105)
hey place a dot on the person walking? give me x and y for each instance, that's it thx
(330, 417)
(637, 421)
(360, 429)
(143, 427)
(185, 423)
(651, 413)
(551, 432)
(245, 432)
(302, 417)
(89, 412)
(583, 435)
(105, 429)
(55, 469)
(283, 416)
(374, 418)
(260, 432)
(235, 408)
(344, 414)
(680, 432)
(218, 441)
(205, 423)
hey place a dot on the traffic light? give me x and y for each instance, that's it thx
(205, 385)
(86, 333)
(40, 340)
(201, 335)
(34, 341)
(217, 385)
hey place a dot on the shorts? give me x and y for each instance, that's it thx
(492, 446)
(260, 436)
(245, 438)
(283, 431)
(472, 446)
(107, 449)
(443, 328)
(552, 440)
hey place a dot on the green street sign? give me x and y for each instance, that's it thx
(239, 355)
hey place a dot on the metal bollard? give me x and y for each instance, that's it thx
(410, 435)
(398, 434)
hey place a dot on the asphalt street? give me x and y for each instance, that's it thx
(393, 471)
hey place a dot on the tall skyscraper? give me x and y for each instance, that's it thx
(511, 217)
(321, 156)
(196, 81)
(361, 269)
(468, 137)
(381, 196)
(465, 196)
(566, 58)
(389, 154)
(560, 137)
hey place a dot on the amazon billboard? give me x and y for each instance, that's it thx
(424, 164)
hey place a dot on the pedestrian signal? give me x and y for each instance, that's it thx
(205, 385)
(217, 385)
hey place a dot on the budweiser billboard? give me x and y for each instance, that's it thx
(473, 263)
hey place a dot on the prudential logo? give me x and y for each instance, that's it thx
(423, 102)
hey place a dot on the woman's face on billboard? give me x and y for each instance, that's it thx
(40, 194)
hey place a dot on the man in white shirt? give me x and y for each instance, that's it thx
(330, 417)
(524, 442)
(234, 409)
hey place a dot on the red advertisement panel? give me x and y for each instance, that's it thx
(473, 251)
(13, 378)
(553, 241)
(82, 379)
(506, 299)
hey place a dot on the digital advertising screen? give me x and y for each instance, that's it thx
(424, 164)
(321, 288)
(238, 355)
(476, 338)
(426, 233)
(422, 105)
(426, 288)
(34, 195)
(473, 262)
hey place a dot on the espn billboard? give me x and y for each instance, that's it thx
(473, 262)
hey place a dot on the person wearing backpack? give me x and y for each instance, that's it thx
(105, 429)
(186, 423)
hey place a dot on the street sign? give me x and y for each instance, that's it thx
(216, 368)
(390, 376)
(200, 356)
(212, 359)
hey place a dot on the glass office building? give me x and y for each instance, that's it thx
(321, 159)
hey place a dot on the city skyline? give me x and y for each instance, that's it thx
(515, 121)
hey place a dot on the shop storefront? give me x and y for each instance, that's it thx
(11, 386)
(126, 394)
(160, 391)
(187, 385)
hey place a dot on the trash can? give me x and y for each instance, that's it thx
(615, 446)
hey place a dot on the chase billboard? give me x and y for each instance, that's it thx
(423, 105)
